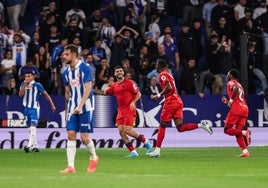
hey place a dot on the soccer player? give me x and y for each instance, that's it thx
(79, 107)
(127, 94)
(235, 123)
(30, 90)
(172, 108)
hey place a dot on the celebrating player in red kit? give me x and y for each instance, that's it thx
(235, 123)
(127, 94)
(172, 108)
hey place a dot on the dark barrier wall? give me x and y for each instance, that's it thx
(195, 109)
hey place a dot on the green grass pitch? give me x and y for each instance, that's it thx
(177, 167)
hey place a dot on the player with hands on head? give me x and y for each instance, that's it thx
(79, 107)
(235, 122)
(30, 90)
(127, 94)
(172, 108)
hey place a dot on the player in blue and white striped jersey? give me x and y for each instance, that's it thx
(77, 79)
(31, 90)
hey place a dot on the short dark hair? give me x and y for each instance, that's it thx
(162, 62)
(72, 48)
(118, 67)
(234, 73)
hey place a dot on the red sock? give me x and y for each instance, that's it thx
(187, 127)
(160, 136)
(241, 142)
(141, 138)
(130, 147)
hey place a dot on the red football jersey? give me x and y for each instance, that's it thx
(165, 77)
(239, 105)
(125, 92)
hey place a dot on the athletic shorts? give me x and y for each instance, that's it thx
(80, 122)
(127, 119)
(172, 109)
(235, 119)
(32, 116)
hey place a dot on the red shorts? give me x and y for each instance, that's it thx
(172, 109)
(127, 119)
(235, 119)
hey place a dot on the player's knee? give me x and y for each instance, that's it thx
(178, 127)
(226, 130)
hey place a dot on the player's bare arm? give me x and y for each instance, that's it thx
(133, 103)
(164, 91)
(53, 108)
(234, 93)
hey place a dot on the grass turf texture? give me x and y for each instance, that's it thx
(177, 167)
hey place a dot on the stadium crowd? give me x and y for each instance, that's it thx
(199, 39)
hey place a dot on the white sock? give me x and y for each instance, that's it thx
(32, 136)
(157, 149)
(71, 151)
(91, 149)
(245, 151)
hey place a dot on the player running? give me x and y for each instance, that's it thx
(172, 108)
(235, 122)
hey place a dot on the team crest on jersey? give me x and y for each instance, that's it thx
(163, 78)
(75, 82)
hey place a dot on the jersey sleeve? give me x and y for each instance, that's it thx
(87, 73)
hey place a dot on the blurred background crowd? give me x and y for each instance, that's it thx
(199, 38)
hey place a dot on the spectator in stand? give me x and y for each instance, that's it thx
(108, 9)
(154, 27)
(102, 74)
(12, 87)
(189, 77)
(28, 67)
(34, 45)
(263, 23)
(224, 30)
(186, 44)
(98, 53)
(141, 7)
(132, 36)
(13, 11)
(239, 10)
(94, 23)
(76, 41)
(53, 38)
(18, 43)
(167, 29)
(72, 30)
(106, 30)
(142, 66)
(118, 50)
(189, 10)
(199, 39)
(53, 9)
(57, 51)
(44, 28)
(206, 14)
(109, 82)
(128, 69)
(151, 45)
(120, 10)
(212, 61)
(219, 11)
(42, 62)
(153, 87)
(225, 62)
(7, 69)
(254, 62)
(76, 13)
(260, 9)
(172, 53)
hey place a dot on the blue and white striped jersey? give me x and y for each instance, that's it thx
(32, 94)
(75, 79)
